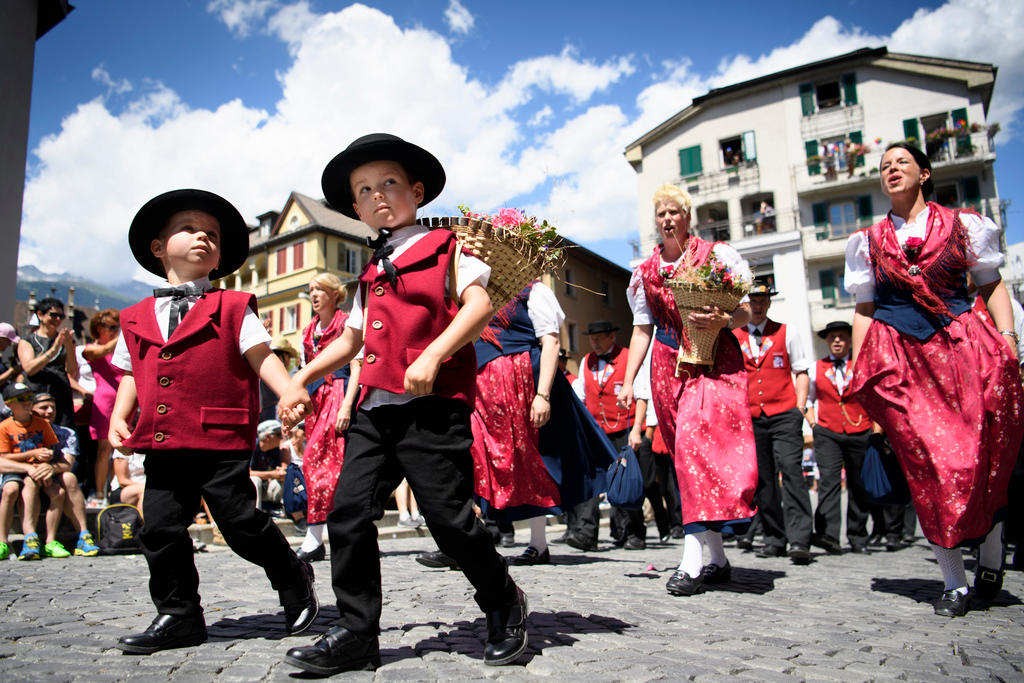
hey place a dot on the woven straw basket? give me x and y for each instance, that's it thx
(514, 262)
(703, 343)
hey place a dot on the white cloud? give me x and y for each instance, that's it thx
(119, 87)
(541, 136)
(241, 16)
(458, 18)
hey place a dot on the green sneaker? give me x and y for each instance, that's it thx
(85, 547)
(30, 548)
(55, 549)
(4, 551)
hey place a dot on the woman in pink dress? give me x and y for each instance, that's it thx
(941, 382)
(703, 411)
(103, 328)
(333, 398)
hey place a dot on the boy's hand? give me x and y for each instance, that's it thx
(119, 432)
(294, 402)
(419, 378)
(42, 473)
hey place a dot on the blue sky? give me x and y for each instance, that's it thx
(527, 104)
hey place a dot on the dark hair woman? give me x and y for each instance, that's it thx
(940, 381)
(47, 357)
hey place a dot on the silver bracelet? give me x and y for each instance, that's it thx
(1011, 333)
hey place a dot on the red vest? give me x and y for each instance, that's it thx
(400, 321)
(195, 390)
(834, 412)
(600, 395)
(769, 378)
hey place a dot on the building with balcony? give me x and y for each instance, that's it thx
(785, 166)
(288, 247)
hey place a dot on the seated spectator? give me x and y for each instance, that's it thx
(269, 465)
(74, 502)
(47, 356)
(8, 371)
(26, 448)
(128, 485)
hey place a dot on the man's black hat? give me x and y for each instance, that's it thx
(833, 326)
(420, 164)
(762, 285)
(153, 216)
(599, 326)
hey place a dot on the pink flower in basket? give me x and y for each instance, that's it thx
(508, 218)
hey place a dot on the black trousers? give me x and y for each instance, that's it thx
(835, 451)
(425, 441)
(174, 482)
(653, 490)
(785, 513)
(665, 471)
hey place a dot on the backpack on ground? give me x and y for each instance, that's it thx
(117, 529)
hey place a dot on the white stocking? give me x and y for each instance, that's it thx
(693, 554)
(716, 549)
(991, 555)
(538, 533)
(314, 537)
(951, 562)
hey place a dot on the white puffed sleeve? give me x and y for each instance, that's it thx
(859, 279)
(984, 238)
(637, 299)
(544, 311)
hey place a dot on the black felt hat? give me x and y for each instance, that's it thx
(600, 326)
(762, 286)
(834, 326)
(153, 216)
(420, 164)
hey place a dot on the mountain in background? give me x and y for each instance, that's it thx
(87, 292)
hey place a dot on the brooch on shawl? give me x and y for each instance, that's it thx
(912, 249)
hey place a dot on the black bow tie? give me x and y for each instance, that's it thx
(179, 303)
(179, 292)
(757, 334)
(839, 363)
(381, 251)
(607, 357)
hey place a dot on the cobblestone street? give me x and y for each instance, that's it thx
(595, 617)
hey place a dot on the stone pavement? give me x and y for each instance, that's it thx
(602, 616)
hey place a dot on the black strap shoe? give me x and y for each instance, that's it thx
(314, 555)
(300, 603)
(337, 650)
(987, 583)
(681, 583)
(530, 556)
(166, 632)
(952, 604)
(712, 573)
(506, 632)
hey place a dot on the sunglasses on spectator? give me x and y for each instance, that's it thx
(110, 327)
(55, 316)
(24, 398)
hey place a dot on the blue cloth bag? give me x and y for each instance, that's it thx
(294, 490)
(881, 474)
(625, 481)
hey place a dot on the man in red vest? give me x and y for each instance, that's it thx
(602, 373)
(774, 356)
(841, 431)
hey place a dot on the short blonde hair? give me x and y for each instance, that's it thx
(671, 193)
(331, 283)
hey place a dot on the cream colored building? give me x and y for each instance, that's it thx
(790, 139)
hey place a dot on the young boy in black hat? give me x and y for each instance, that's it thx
(192, 356)
(417, 315)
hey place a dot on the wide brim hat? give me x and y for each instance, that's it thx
(283, 346)
(834, 326)
(762, 286)
(418, 162)
(599, 326)
(153, 216)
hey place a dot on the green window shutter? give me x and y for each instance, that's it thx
(807, 98)
(865, 210)
(689, 161)
(827, 280)
(813, 158)
(959, 118)
(858, 139)
(849, 83)
(819, 214)
(961, 125)
(912, 132)
(749, 146)
(972, 190)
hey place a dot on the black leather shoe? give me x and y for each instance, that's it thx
(987, 583)
(506, 632)
(893, 543)
(858, 548)
(771, 551)
(828, 545)
(560, 540)
(798, 554)
(300, 603)
(677, 532)
(712, 573)
(635, 543)
(437, 560)
(681, 583)
(167, 631)
(315, 555)
(952, 604)
(337, 650)
(574, 540)
(508, 539)
(530, 556)
(744, 543)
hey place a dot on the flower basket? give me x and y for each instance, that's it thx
(517, 253)
(693, 298)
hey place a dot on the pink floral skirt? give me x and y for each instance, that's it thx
(952, 408)
(705, 415)
(507, 464)
(325, 450)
